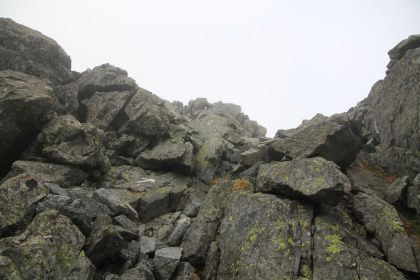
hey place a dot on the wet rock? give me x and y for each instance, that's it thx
(104, 78)
(165, 262)
(264, 237)
(203, 229)
(51, 247)
(28, 51)
(66, 140)
(381, 218)
(18, 198)
(331, 138)
(316, 178)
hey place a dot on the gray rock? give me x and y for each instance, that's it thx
(367, 181)
(251, 172)
(66, 140)
(315, 178)
(331, 138)
(66, 102)
(115, 204)
(185, 271)
(55, 189)
(126, 223)
(53, 202)
(143, 271)
(381, 218)
(18, 199)
(51, 247)
(264, 237)
(395, 191)
(399, 50)
(104, 78)
(212, 262)
(165, 262)
(63, 175)
(252, 156)
(413, 191)
(28, 51)
(207, 160)
(191, 209)
(203, 229)
(102, 108)
(178, 233)
(147, 245)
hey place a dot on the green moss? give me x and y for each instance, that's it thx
(305, 271)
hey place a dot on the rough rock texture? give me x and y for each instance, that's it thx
(152, 189)
(28, 51)
(315, 178)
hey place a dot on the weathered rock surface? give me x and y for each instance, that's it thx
(28, 51)
(315, 178)
(165, 262)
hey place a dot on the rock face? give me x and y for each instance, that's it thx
(101, 179)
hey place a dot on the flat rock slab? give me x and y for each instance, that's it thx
(166, 261)
(314, 178)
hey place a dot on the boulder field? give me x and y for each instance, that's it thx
(101, 179)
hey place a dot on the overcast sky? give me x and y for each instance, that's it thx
(282, 61)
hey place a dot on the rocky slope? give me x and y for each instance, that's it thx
(101, 179)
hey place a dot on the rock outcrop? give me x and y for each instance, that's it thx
(101, 179)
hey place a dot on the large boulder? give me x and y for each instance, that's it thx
(314, 178)
(25, 50)
(332, 138)
(66, 140)
(50, 248)
(24, 99)
(401, 48)
(264, 237)
(104, 78)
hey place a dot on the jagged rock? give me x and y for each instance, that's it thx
(314, 178)
(252, 156)
(399, 50)
(104, 78)
(207, 159)
(178, 233)
(147, 245)
(203, 229)
(264, 237)
(126, 223)
(413, 192)
(66, 140)
(115, 204)
(341, 254)
(381, 218)
(172, 154)
(146, 115)
(185, 271)
(367, 182)
(24, 99)
(18, 198)
(62, 175)
(50, 248)
(130, 255)
(331, 138)
(143, 271)
(102, 107)
(212, 262)
(66, 102)
(191, 209)
(165, 262)
(25, 50)
(105, 240)
(55, 189)
(395, 191)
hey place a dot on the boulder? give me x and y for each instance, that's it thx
(313, 178)
(24, 99)
(147, 245)
(185, 271)
(66, 140)
(18, 199)
(254, 155)
(102, 107)
(115, 204)
(208, 159)
(331, 138)
(396, 192)
(66, 102)
(203, 229)
(50, 248)
(401, 48)
(25, 50)
(381, 218)
(212, 262)
(179, 231)
(367, 181)
(165, 262)
(143, 271)
(104, 78)
(264, 237)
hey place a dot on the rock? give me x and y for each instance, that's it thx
(105, 241)
(25, 50)
(170, 154)
(331, 138)
(62, 175)
(212, 262)
(381, 218)
(66, 102)
(102, 107)
(24, 99)
(66, 140)
(251, 172)
(207, 159)
(264, 237)
(399, 50)
(55, 189)
(413, 191)
(18, 198)
(147, 245)
(51, 247)
(114, 204)
(104, 78)
(338, 253)
(165, 262)
(143, 271)
(395, 191)
(203, 229)
(178, 233)
(315, 178)
(185, 271)
(367, 181)
(252, 156)
(126, 223)
(191, 209)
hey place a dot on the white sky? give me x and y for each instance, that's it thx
(282, 61)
